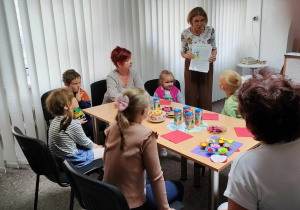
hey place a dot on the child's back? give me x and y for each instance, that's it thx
(229, 82)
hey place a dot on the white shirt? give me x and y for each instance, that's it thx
(267, 177)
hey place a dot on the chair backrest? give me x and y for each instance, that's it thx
(94, 193)
(38, 156)
(152, 85)
(98, 89)
(47, 114)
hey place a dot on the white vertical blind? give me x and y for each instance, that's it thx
(59, 35)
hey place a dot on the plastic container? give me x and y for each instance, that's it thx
(156, 101)
(198, 116)
(189, 120)
(177, 117)
(185, 109)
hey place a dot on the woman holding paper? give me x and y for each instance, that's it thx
(198, 84)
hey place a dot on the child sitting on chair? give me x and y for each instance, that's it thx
(131, 151)
(167, 90)
(229, 82)
(66, 137)
(72, 80)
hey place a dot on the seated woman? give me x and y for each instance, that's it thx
(267, 177)
(123, 76)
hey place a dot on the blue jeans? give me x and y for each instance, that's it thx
(174, 191)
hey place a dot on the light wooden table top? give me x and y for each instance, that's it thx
(107, 113)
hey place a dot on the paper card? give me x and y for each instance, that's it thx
(242, 132)
(165, 102)
(218, 158)
(210, 116)
(176, 136)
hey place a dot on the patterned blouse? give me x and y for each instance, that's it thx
(207, 37)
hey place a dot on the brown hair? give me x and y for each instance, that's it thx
(231, 80)
(69, 75)
(138, 101)
(120, 55)
(197, 11)
(270, 105)
(163, 74)
(57, 104)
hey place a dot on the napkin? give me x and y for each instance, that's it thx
(210, 116)
(242, 132)
(176, 136)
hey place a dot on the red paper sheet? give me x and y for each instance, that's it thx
(242, 132)
(165, 102)
(176, 136)
(210, 116)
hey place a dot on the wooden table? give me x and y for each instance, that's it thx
(107, 113)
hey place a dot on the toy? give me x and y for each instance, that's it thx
(210, 150)
(216, 129)
(203, 145)
(223, 151)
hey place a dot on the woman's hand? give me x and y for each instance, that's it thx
(212, 58)
(99, 146)
(189, 55)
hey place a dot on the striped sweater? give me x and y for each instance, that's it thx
(63, 143)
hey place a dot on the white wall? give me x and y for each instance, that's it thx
(276, 23)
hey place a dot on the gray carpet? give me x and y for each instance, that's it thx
(17, 185)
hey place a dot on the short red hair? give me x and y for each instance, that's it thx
(120, 55)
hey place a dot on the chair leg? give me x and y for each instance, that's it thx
(36, 191)
(71, 200)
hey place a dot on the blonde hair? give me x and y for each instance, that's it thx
(56, 104)
(138, 101)
(231, 80)
(163, 74)
(197, 11)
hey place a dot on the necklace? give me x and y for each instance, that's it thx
(124, 78)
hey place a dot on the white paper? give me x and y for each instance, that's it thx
(202, 53)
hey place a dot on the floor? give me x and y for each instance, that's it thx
(17, 186)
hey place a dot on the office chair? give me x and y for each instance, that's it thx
(94, 194)
(98, 89)
(42, 163)
(48, 117)
(152, 85)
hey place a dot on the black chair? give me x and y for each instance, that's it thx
(94, 194)
(98, 89)
(152, 85)
(48, 117)
(42, 163)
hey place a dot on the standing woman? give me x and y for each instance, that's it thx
(123, 76)
(198, 85)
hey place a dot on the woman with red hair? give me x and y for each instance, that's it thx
(123, 76)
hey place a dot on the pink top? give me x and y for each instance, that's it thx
(160, 91)
(126, 169)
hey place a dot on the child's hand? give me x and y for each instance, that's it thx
(99, 146)
(79, 95)
(82, 121)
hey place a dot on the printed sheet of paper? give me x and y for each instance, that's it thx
(202, 52)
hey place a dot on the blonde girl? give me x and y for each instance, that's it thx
(67, 139)
(166, 89)
(131, 150)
